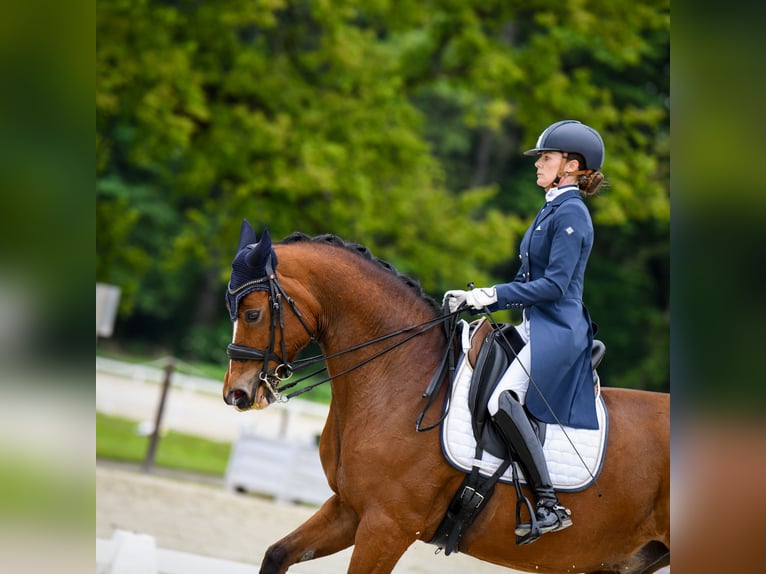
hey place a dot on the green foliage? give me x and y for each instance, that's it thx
(396, 125)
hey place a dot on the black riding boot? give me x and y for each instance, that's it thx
(512, 421)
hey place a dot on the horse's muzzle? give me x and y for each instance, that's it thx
(243, 400)
(240, 399)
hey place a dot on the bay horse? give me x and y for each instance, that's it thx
(391, 484)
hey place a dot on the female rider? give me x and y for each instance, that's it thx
(556, 326)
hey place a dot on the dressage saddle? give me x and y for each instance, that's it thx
(492, 350)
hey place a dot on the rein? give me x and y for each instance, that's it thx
(421, 328)
(284, 370)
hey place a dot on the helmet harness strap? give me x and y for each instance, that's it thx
(561, 172)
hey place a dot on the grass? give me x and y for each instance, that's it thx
(116, 439)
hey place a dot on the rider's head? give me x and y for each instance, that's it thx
(581, 151)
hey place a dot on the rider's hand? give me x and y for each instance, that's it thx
(481, 297)
(455, 299)
(476, 298)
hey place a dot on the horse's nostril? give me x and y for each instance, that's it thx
(240, 399)
(236, 396)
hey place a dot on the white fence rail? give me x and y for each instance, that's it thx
(287, 470)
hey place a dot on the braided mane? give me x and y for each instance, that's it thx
(364, 252)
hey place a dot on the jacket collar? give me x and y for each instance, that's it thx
(555, 192)
(570, 193)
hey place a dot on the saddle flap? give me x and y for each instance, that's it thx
(498, 349)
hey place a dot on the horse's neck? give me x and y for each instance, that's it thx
(357, 311)
(360, 302)
(357, 324)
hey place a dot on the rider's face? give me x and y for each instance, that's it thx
(547, 166)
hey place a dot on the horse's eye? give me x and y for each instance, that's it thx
(252, 316)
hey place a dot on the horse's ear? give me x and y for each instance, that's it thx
(246, 235)
(258, 256)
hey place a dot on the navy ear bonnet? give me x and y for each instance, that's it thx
(254, 263)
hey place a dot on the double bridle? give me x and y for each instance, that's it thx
(274, 378)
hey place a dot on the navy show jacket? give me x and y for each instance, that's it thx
(549, 286)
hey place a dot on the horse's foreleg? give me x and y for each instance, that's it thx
(331, 529)
(380, 543)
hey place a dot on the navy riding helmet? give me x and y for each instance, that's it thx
(574, 137)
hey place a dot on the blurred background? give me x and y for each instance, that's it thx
(399, 126)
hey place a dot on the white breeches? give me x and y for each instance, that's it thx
(516, 377)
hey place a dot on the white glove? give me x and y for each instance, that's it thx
(476, 298)
(454, 299)
(480, 298)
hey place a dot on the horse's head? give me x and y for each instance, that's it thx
(269, 330)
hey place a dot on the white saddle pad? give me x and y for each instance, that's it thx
(567, 471)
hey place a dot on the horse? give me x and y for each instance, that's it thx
(391, 484)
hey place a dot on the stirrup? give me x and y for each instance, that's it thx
(529, 532)
(563, 521)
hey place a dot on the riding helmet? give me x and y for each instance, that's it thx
(574, 137)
